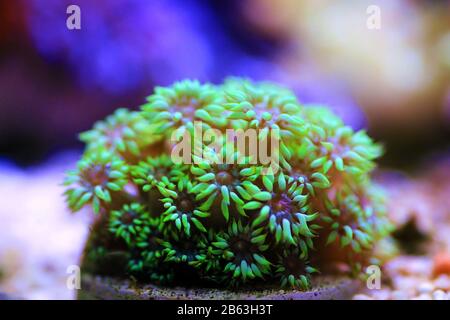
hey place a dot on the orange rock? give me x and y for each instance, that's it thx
(441, 264)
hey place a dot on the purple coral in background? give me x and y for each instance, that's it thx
(312, 88)
(341, 103)
(124, 45)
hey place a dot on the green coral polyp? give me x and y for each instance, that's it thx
(154, 171)
(229, 223)
(294, 270)
(124, 131)
(183, 210)
(284, 210)
(227, 182)
(97, 175)
(243, 247)
(130, 221)
(176, 108)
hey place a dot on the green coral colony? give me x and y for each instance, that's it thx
(228, 224)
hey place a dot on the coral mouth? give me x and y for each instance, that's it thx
(96, 175)
(281, 205)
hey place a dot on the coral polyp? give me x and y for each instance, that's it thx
(294, 269)
(270, 193)
(175, 108)
(124, 132)
(96, 177)
(244, 248)
(129, 221)
(285, 211)
(223, 183)
(183, 210)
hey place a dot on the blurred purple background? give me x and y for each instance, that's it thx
(56, 82)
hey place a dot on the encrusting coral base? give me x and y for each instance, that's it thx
(323, 288)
